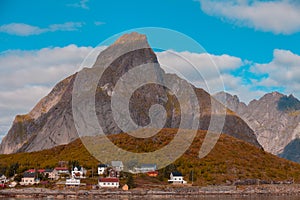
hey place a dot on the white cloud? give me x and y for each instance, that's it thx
(81, 4)
(99, 23)
(279, 17)
(203, 70)
(21, 29)
(282, 71)
(27, 76)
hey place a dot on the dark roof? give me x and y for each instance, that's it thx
(176, 174)
(48, 170)
(102, 165)
(110, 179)
(148, 166)
(29, 175)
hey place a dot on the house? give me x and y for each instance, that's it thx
(47, 173)
(102, 168)
(12, 184)
(145, 168)
(176, 178)
(117, 165)
(52, 174)
(152, 173)
(76, 173)
(30, 179)
(62, 170)
(35, 170)
(72, 182)
(113, 173)
(110, 182)
(3, 179)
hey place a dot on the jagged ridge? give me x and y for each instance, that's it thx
(50, 123)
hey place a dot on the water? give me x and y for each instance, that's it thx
(208, 197)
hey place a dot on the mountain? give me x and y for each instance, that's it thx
(231, 159)
(275, 119)
(51, 123)
(292, 151)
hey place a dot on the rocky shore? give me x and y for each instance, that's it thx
(172, 192)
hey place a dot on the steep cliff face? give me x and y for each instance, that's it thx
(51, 122)
(275, 119)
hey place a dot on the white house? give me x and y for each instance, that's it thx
(51, 173)
(176, 178)
(102, 168)
(72, 182)
(78, 173)
(109, 182)
(117, 165)
(3, 179)
(29, 179)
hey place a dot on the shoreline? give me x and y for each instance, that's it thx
(174, 192)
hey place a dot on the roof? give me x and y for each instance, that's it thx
(34, 170)
(176, 174)
(148, 166)
(102, 165)
(110, 179)
(48, 170)
(29, 175)
(61, 168)
(153, 172)
(31, 171)
(116, 163)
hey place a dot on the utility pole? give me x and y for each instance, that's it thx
(192, 176)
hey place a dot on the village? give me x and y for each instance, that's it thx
(107, 176)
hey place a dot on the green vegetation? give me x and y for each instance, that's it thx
(230, 160)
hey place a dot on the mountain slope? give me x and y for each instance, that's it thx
(51, 122)
(275, 119)
(230, 160)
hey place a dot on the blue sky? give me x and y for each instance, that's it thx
(254, 43)
(111, 17)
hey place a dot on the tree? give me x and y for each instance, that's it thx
(130, 181)
(168, 169)
(12, 169)
(18, 177)
(192, 176)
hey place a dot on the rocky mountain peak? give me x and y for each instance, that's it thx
(274, 118)
(52, 122)
(130, 38)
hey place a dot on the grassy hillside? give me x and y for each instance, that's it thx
(230, 160)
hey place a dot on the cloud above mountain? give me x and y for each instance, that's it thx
(21, 29)
(279, 17)
(27, 76)
(282, 71)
